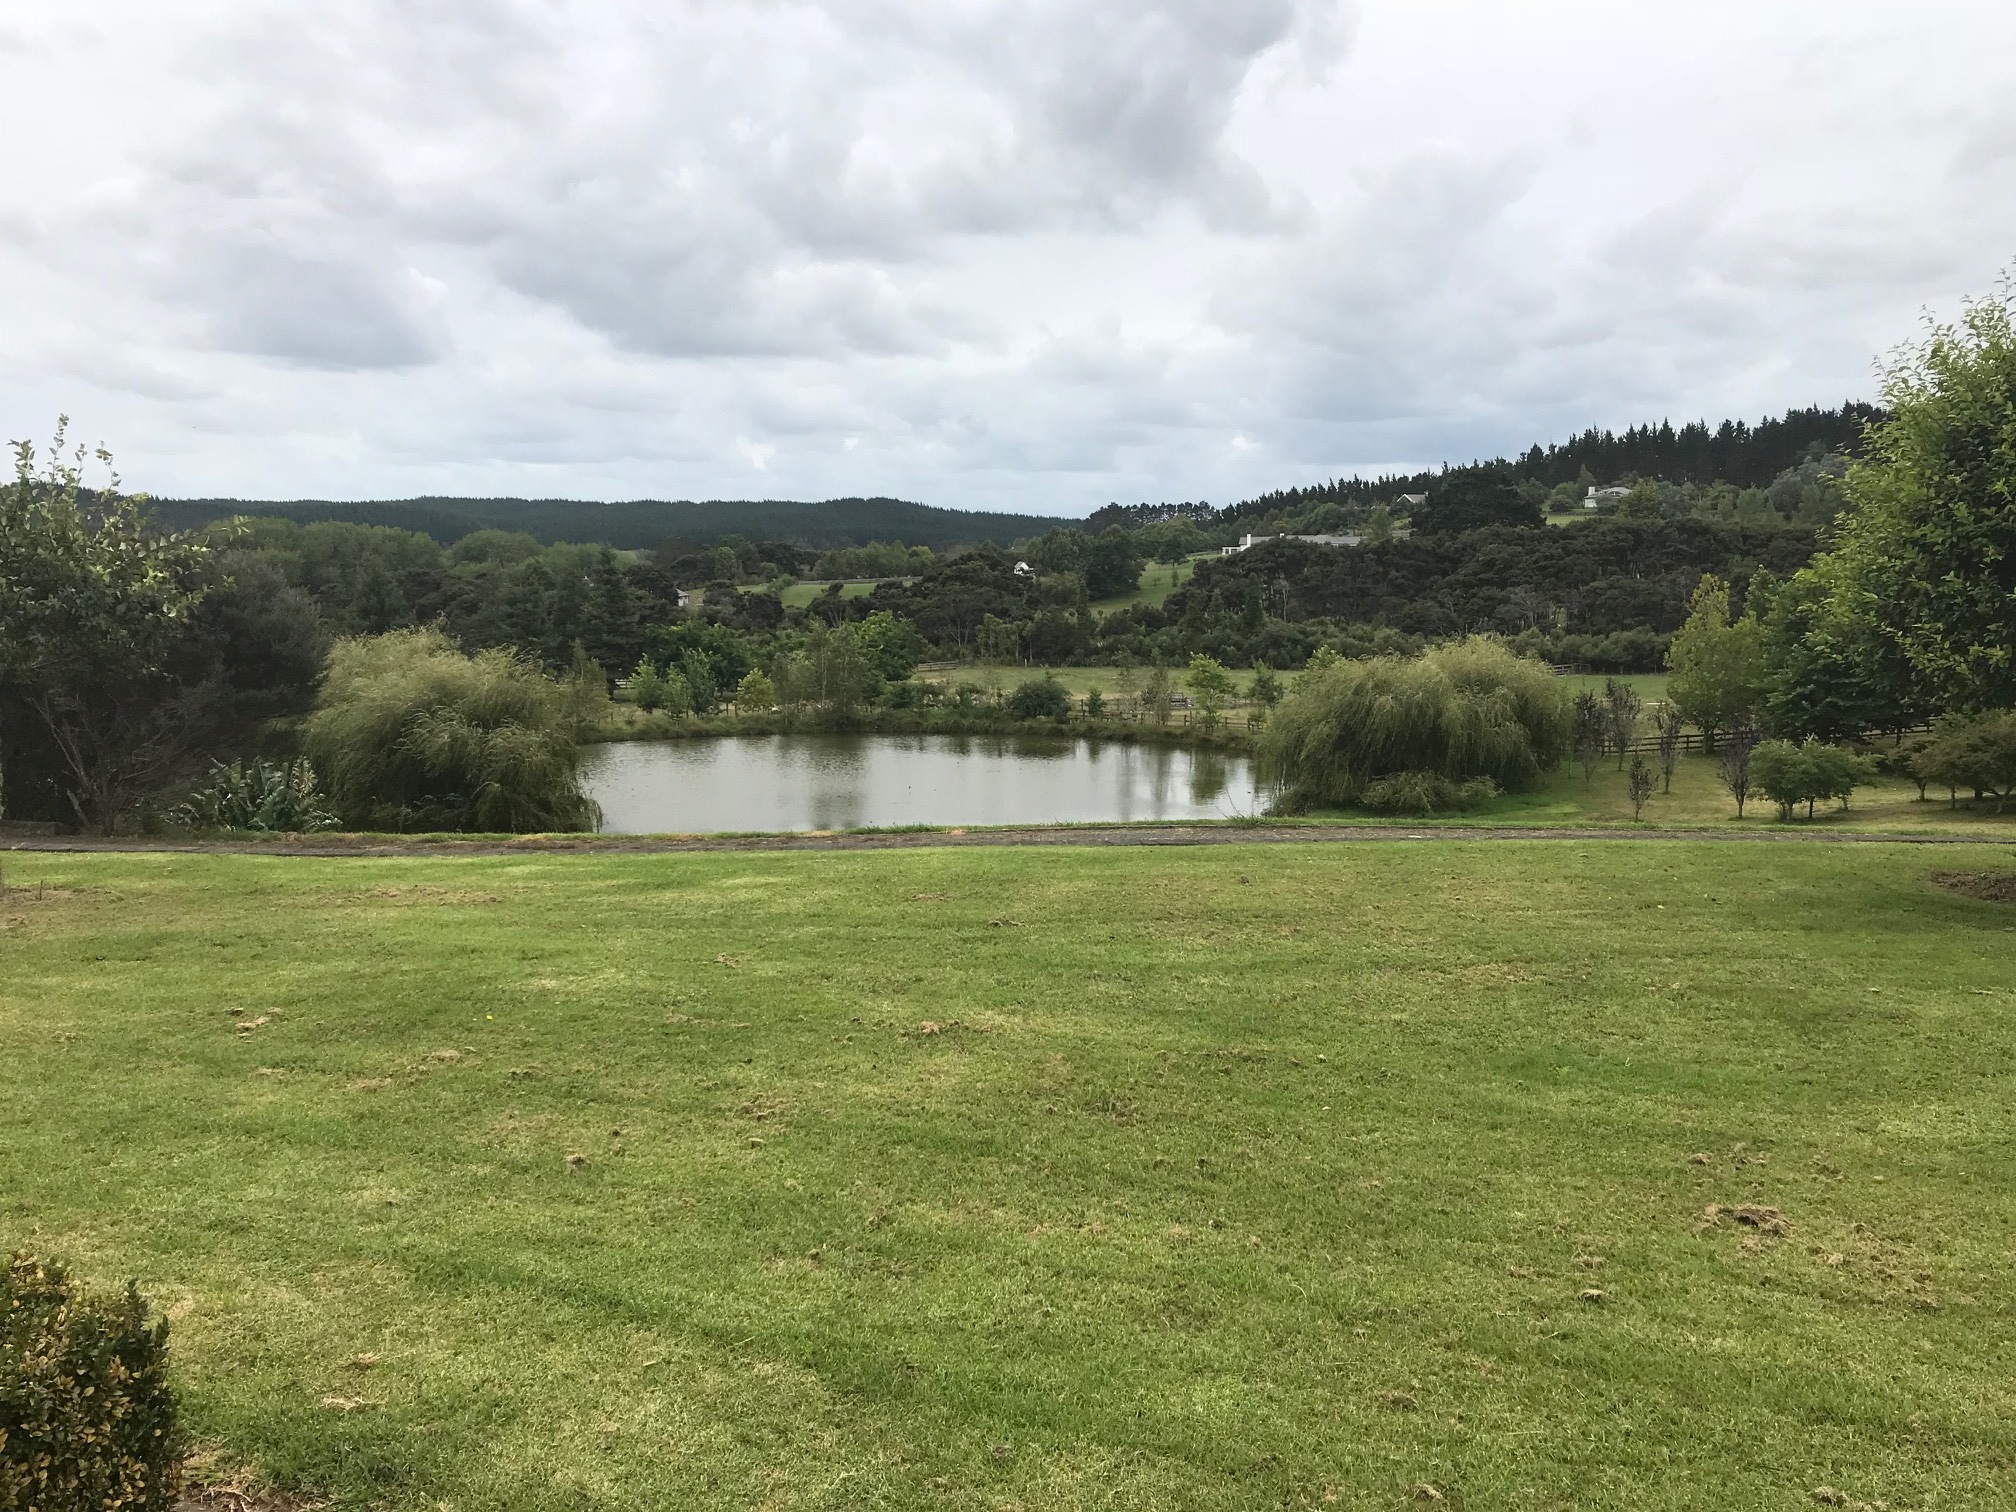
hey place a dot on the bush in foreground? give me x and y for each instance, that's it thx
(1462, 711)
(279, 797)
(411, 734)
(86, 1415)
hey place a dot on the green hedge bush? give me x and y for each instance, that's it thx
(87, 1419)
(1461, 711)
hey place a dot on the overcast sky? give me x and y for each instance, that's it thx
(1030, 254)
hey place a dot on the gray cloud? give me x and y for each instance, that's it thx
(1003, 252)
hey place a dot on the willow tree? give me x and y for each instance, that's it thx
(1465, 710)
(410, 734)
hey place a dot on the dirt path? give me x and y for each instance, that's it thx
(1270, 834)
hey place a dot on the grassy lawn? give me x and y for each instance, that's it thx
(1049, 1178)
(1158, 581)
(1650, 686)
(799, 595)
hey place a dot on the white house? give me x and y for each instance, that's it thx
(1608, 495)
(1023, 569)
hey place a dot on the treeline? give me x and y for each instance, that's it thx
(637, 524)
(1734, 452)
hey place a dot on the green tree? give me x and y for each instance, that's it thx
(126, 654)
(647, 686)
(1265, 689)
(1623, 711)
(1930, 543)
(1156, 694)
(892, 646)
(1589, 732)
(1829, 668)
(1112, 564)
(1040, 698)
(1639, 784)
(1716, 665)
(1210, 686)
(1671, 726)
(755, 694)
(1977, 752)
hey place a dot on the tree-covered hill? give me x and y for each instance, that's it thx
(641, 523)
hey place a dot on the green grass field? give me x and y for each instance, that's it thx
(801, 595)
(1361, 1175)
(1158, 581)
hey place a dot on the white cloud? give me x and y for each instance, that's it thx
(1020, 253)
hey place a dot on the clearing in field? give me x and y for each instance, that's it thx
(1508, 1174)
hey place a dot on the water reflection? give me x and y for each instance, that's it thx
(799, 782)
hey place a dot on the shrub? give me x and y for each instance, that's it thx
(1464, 710)
(1973, 751)
(280, 797)
(1426, 793)
(755, 694)
(86, 1415)
(1805, 773)
(1040, 698)
(412, 734)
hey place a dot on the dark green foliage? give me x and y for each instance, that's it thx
(87, 1418)
(1929, 551)
(1040, 698)
(1830, 669)
(1469, 709)
(1424, 793)
(1112, 563)
(1474, 499)
(642, 523)
(413, 735)
(126, 656)
(277, 797)
(1602, 577)
(1749, 456)
(1974, 752)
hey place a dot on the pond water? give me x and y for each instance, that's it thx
(822, 782)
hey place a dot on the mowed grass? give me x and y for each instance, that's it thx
(1052, 1178)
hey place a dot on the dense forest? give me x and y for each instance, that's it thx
(1734, 452)
(638, 524)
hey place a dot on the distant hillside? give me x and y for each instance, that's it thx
(643, 523)
(1735, 451)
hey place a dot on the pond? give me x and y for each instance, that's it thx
(825, 782)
